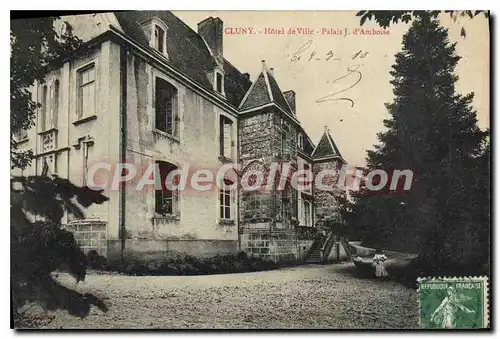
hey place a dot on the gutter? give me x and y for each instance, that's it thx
(123, 142)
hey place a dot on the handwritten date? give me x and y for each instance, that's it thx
(305, 53)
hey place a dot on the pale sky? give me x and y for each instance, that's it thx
(354, 129)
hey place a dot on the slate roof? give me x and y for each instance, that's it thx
(326, 147)
(186, 50)
(190, 55)
(265, 90)
(258, 94)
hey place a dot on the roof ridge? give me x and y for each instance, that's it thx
(247, 94)
(286, 101)
(268, 85)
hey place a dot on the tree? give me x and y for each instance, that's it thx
(38, 244)
(433, 131)
(35, 48)
(386, 18)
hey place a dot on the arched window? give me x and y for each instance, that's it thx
(226, 199)
(157, 30)
(159, 38)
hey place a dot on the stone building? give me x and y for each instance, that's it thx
(150, 90)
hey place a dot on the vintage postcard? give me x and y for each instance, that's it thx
(250, 170)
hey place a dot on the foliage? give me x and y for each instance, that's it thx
(39, 246)
(433, 131)
(190, 265)
(386, 18)
(35, 48)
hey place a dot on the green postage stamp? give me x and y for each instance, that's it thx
(453, 303)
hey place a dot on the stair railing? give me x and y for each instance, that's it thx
(327, 246)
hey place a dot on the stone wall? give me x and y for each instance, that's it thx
(324, 200)
(196, 146)
(148, 250)
(89, 234)
(280, 245)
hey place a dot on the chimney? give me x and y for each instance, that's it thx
(211, 30)
(271, 70)
(246, 76)
(290, 98)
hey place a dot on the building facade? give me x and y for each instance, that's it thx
(152, 92)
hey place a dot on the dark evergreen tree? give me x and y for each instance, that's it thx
(432, 131)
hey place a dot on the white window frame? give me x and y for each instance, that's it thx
(175, 109)
(307, 207)
(156, 22)
(79, 97)
(223, 192)
(175, 194)
(223, 121)
(301, 141)
(222, 91)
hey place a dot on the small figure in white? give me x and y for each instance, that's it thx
(445, 314)
(379, 260)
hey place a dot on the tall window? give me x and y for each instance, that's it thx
(218, 82)
(166, 107)
(43, 109)
(225, 200)
(159, 38)
(166, 198)
(307, 213)
(55, 104)
(86, 91)
(226, 137)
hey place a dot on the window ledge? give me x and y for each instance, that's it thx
(165, 218)
(227, 222)
(85, 119)
(47, 131)
(166, 135)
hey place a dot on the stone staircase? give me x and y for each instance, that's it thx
(314, 254)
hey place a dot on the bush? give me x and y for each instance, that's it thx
(190, 265)
(95, 261)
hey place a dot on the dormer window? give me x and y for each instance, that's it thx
(301, 141)
(218, 82)
(157, 31)
(159, 39)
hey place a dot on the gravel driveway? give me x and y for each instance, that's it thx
(314, 296)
